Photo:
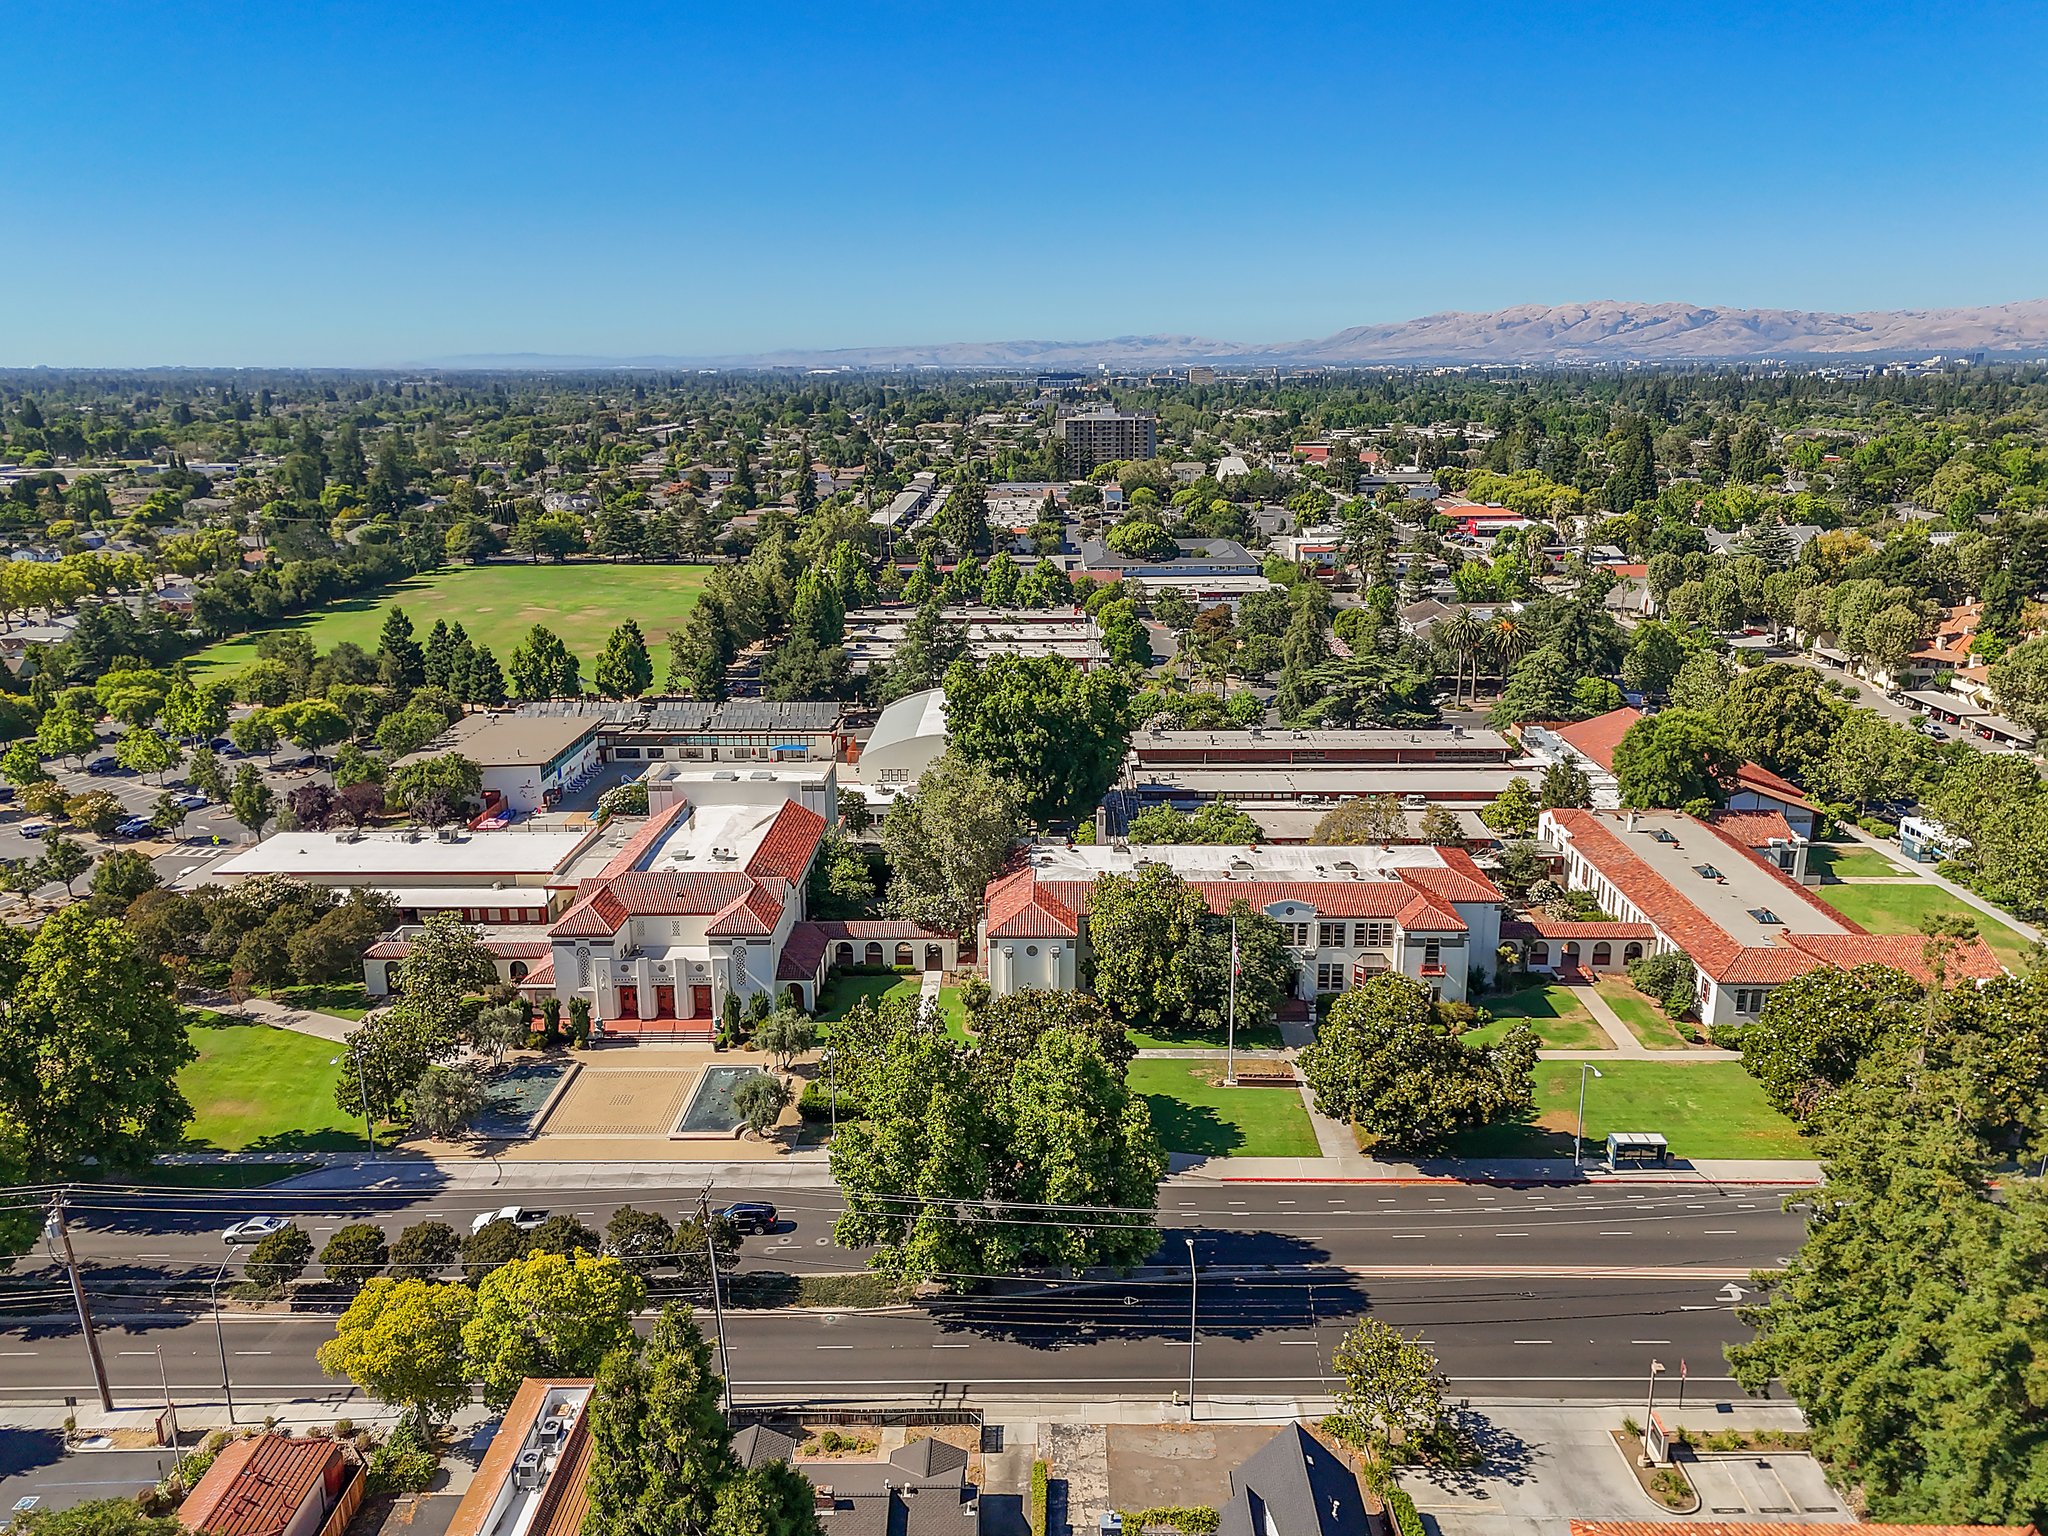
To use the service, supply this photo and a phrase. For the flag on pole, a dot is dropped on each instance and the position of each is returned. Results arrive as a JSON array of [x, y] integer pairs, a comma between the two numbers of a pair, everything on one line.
[[1236, 965]]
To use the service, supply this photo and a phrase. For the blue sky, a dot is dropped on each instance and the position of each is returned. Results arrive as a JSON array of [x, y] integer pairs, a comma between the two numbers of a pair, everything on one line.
[[229, 183]]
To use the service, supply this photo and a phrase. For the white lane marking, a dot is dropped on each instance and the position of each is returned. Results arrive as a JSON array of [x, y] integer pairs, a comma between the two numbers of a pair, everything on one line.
[[251, 1351], [1402, 1236], [835, 1346], [15, 1354], [1649, 1341], [950, 1346], [1719, 1232], [1532, 1341], [1617, 1234], [1510, 1234]]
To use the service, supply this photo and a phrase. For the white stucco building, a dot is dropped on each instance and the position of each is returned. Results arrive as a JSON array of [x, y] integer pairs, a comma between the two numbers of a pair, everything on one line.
[[1349, 912]]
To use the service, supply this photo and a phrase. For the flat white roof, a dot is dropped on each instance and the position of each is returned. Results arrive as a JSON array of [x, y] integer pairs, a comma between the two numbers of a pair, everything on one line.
[[400, 859], [715, 838], [461, 896], [1193, 861], [686, 773]]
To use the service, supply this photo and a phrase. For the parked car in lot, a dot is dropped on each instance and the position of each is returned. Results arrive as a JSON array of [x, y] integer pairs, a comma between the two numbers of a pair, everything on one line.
[[193, 801], [33, 828], [135, 826], [254, 1230], [749, 1215], [102, 765], [221, 744], [523, 1217]]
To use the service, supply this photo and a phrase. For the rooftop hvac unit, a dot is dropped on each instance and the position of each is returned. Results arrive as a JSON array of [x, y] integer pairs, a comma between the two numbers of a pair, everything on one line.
[[762, 773], [529, 1471], [726, 774], [551, 1432]]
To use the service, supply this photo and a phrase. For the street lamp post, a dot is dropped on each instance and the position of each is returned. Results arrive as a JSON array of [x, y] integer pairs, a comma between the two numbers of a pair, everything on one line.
[[362, 1087], [1579, 1136], [227, 1389], [1194, 1298]]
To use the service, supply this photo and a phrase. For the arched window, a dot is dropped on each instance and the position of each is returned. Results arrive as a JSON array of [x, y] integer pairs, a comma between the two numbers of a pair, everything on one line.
[[1631, 951], [903, 954], [1603, 953], [874, 953], [842, 954], [934, 957], [1539, 952], [517, 970]]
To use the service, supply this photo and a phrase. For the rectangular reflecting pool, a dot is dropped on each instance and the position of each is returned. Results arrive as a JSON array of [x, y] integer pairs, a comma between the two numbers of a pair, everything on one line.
[[709, 1111]]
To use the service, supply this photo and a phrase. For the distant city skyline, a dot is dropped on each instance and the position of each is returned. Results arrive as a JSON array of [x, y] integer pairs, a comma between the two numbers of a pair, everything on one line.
[[380, 184]]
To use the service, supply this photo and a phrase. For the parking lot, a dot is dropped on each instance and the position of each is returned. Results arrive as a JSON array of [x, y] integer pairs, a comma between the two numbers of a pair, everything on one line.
[[207, 835]]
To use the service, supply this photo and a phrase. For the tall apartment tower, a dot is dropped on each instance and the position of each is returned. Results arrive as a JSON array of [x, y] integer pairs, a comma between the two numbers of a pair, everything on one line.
[[1102, 437]]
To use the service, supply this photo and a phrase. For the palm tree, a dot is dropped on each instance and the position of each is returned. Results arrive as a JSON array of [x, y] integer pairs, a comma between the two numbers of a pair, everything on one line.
[[1457, 635], [1509, 641]]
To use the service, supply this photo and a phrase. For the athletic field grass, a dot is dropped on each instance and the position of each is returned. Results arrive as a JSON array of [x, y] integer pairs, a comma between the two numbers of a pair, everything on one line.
[[255, 1088], [1193, 1112], [498, 604], [1710, 1109], [1560, 1021], [1900, 908]]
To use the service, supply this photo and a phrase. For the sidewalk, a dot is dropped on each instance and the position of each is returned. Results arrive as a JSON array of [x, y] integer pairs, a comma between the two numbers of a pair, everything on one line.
[[306, 1021]]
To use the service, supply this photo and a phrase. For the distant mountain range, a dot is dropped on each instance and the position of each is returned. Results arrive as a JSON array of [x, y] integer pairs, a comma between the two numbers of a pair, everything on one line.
[[1608, 331]]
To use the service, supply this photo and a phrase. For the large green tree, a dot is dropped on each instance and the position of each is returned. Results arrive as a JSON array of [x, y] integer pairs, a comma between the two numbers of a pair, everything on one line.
[[660, 1451], [401, 1342], [1777, 715], [944, 841], [1383, 1060], [624, 669], [542, 667], [548, 1315], [1676, 760], [1055, 731], [91, 1040]]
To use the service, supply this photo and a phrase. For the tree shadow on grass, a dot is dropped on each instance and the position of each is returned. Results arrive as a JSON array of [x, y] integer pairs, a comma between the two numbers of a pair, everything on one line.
[[1194, 1128]]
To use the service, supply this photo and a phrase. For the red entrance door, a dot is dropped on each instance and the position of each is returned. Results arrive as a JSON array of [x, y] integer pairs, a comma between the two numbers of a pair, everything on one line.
[[664, 1002], [629, 1002], [700, 1002]]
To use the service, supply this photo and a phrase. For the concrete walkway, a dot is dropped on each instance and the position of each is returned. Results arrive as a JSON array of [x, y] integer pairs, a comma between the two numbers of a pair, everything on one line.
[[305, 1021], [1962, 893]]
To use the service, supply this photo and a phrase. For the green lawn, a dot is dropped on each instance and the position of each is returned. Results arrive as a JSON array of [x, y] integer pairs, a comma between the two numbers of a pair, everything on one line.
[[1851, 861], [498, 604], [1263, 1036], [842, 992], [1900, 908], [1193, 1112], [1711, 1109], [345, 1000], [1559, 1019], [255, 1088], [1645, 1020]]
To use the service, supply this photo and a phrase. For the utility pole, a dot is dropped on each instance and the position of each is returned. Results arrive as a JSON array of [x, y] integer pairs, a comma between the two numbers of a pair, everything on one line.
[[170, 1408], [227, 1390], [717, 1305], [61, 1232], [1194, 1297]]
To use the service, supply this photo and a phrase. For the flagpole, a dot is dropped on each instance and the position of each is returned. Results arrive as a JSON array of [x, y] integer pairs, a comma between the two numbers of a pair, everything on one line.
[[1230, 1037]]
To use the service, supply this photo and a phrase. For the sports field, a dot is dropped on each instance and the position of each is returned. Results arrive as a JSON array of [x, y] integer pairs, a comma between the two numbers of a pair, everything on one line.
[[498, 604]]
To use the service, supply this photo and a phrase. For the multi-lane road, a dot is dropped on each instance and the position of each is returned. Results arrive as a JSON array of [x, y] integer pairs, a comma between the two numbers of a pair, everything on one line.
[[1557, 1292]]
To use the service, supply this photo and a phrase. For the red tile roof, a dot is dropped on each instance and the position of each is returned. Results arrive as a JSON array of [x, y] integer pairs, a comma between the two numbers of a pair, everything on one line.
[[1598, 737], [1719, 953], [1753, 829], [256, 1487], [603, 906], [789, 845], [1021, 907], [756, 911], [641, 845], [802, 954]]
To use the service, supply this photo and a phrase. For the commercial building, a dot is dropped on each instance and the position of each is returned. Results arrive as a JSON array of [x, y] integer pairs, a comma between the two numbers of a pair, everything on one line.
[[708, 901], [908, 737], [275, 1485], [1349, 912], [1286, 779], [529, 761], [1097, 437], [519, 874], [1590, 745], [873, 635], [1205, 571], [1673, 882], [665, 729]]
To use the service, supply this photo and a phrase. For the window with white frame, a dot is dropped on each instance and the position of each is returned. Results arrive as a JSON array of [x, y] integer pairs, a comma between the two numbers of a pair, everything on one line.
[[1330, 976], [1372, 935], [1297, 934], [1329, 935], [1750, 999]]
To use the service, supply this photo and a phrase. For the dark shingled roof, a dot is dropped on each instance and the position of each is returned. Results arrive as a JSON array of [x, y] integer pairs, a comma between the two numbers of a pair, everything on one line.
[[1295, 1486], [757, 1445]]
